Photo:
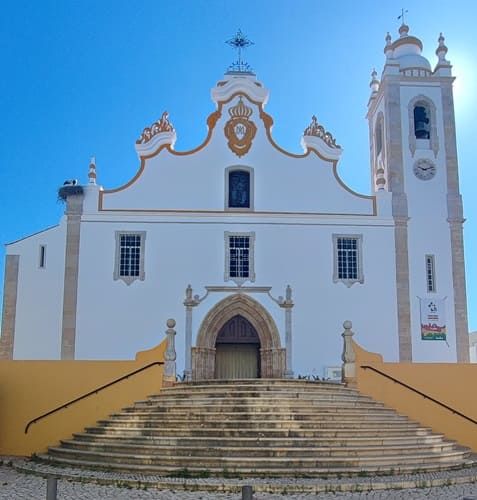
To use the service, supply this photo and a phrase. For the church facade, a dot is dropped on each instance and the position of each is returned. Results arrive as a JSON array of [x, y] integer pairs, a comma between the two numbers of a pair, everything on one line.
[[260, 254]]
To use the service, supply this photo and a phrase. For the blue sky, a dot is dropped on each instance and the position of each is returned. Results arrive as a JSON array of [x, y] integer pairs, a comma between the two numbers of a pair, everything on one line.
[[86, 76]]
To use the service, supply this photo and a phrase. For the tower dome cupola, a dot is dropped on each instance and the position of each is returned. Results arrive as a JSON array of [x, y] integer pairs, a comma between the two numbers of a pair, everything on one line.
[[407, 53]]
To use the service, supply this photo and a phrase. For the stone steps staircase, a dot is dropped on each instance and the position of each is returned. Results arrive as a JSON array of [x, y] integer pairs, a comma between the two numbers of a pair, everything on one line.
[[259, 428]]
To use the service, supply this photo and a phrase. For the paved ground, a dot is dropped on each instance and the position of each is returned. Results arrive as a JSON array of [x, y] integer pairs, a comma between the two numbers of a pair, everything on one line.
[[19, 486]]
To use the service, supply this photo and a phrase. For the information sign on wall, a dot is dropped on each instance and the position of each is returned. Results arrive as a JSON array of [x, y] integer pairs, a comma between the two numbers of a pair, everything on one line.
[[433, 319]]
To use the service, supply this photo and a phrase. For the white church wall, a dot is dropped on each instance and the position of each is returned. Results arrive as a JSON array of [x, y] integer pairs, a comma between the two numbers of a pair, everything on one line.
[[128, 318], [39, 294]]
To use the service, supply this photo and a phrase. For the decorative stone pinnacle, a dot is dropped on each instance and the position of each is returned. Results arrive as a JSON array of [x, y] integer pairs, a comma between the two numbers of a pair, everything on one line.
[[319, 131], [374, 84], [162, 125], [287, 302], [92, 170], [441, 50], [192, 301]]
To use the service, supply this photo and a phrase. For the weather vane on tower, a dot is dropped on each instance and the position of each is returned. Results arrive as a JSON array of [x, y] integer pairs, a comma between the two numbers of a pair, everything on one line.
[[402, 15], [239, 42]]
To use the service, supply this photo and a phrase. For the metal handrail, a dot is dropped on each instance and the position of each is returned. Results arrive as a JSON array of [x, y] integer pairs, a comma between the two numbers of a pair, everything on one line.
[[417, 391], [90, 393]]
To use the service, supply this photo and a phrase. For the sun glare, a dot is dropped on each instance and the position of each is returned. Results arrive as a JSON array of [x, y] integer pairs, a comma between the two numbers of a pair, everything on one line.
[[465, 96]]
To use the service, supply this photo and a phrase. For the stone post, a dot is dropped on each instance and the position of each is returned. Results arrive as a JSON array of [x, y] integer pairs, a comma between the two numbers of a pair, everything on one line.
[[287, 305], [169, 377], [74, 209], [189, 303], [10, 292], [349, 356]]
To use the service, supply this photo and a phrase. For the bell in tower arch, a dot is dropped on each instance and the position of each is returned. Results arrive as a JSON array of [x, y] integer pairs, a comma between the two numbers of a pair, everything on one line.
[[421, 123]]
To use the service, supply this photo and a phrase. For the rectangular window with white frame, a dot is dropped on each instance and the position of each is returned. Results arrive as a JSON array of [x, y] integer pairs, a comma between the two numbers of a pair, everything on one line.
[[129, 261], [348, 259], [430, 273], [239, 257]]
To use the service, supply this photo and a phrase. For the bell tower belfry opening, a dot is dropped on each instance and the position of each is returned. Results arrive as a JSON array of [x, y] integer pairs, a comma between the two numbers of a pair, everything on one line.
[[238, 339]]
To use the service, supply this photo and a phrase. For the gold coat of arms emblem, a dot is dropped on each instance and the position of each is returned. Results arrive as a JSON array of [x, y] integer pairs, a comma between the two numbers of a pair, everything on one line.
[[240, 130]]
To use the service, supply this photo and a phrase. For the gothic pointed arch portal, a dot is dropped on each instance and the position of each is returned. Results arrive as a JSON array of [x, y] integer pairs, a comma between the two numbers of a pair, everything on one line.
[[272, 355]]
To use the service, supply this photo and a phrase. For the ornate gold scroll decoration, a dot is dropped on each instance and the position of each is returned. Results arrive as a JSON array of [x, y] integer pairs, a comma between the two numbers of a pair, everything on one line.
[[240, 130], [319, 131], [163, 125]]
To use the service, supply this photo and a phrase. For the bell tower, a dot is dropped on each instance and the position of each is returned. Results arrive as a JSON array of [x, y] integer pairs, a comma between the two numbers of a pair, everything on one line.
[[414, 158]]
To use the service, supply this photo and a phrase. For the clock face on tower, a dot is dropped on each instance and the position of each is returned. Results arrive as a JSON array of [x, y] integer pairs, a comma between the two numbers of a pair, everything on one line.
[[424, 169]]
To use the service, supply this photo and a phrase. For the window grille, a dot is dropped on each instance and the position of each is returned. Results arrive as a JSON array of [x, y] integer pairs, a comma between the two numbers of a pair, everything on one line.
[[239, 262], [129, 254], [348, 259], [129, 265], [239, 248]]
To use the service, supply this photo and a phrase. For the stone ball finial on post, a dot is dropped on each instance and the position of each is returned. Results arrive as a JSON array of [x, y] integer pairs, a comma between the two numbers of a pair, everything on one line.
[[348, 370], [169, 377]]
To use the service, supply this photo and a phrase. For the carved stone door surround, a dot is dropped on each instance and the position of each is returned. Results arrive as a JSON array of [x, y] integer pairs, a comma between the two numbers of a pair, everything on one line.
[[272, 355]]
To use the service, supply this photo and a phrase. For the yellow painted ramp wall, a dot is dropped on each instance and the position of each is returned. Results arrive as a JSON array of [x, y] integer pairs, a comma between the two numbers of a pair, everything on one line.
[[450, 383], [31, 388]]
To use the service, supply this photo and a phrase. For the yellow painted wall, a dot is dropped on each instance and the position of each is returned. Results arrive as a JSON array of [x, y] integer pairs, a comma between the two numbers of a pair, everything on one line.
[[452, 384], [31, 388]]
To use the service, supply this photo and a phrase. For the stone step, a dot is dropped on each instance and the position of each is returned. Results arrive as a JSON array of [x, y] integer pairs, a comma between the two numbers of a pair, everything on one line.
[[259, 450], [233, 407], [329, 390], [275, 441], [259, 427], [243, 419], [247, 463], [256, 411], [244, 391], [270, 384], [254, 401], [261, 431], [262, 471], [271, 403]]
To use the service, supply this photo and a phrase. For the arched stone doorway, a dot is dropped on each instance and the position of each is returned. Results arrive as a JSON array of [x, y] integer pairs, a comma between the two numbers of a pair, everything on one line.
[[237, 350], [271, 360]]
